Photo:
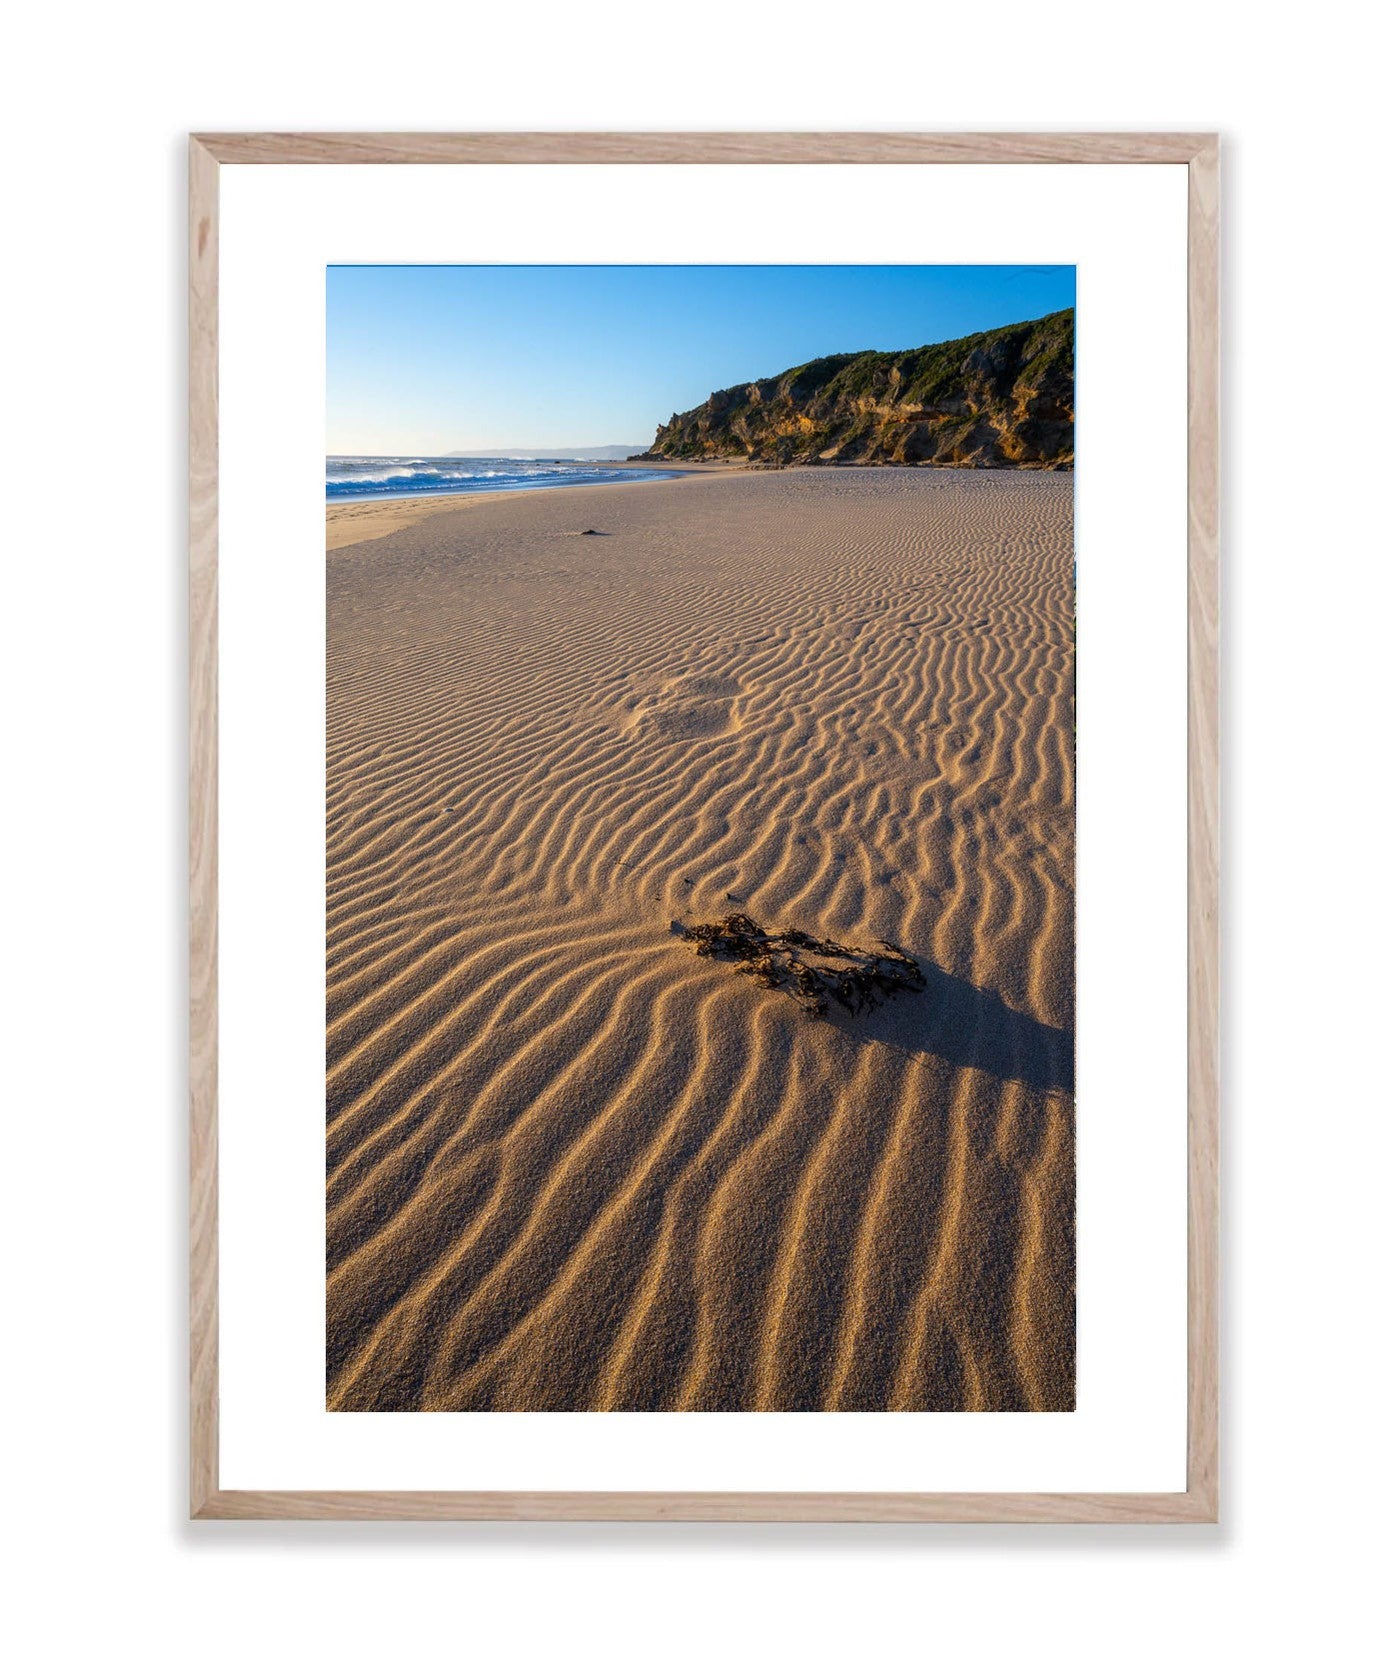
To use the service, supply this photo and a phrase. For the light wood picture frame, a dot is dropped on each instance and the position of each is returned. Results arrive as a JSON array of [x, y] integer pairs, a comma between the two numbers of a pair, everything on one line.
[[1199, 153]]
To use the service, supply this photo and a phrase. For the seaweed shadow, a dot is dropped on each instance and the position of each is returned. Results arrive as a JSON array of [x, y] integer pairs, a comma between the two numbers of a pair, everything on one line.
[[970, 1026]]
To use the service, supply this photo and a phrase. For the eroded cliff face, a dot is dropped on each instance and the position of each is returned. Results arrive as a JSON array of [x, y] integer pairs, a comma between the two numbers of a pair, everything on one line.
[[1001, 398]]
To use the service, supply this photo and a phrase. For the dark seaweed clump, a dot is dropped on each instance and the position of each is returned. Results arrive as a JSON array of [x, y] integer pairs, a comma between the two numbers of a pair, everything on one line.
[[814, 971]]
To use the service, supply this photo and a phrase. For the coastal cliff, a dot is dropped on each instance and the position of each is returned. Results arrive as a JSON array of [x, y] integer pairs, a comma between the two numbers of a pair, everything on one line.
[[999, 398]]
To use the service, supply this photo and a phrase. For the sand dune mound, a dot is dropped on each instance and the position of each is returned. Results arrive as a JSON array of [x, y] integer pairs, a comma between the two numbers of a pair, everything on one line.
[[571, 1167]]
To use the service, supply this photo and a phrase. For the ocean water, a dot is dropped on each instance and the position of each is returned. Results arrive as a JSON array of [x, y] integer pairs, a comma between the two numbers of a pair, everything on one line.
[[382, 477]]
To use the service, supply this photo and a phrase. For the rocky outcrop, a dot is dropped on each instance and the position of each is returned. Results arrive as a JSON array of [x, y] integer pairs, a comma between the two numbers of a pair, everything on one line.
[[1001, 398]]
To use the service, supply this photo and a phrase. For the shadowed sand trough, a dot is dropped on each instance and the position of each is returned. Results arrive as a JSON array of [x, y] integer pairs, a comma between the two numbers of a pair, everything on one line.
[[572, 1166]]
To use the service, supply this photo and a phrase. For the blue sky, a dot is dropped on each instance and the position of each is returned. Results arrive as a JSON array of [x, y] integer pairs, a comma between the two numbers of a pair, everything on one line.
[[431, 360]]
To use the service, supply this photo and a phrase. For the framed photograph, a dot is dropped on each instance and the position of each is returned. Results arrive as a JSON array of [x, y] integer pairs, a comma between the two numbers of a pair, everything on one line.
[[703, 826]]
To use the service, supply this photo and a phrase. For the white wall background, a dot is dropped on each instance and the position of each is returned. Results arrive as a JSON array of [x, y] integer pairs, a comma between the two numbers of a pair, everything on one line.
[[97, 102]]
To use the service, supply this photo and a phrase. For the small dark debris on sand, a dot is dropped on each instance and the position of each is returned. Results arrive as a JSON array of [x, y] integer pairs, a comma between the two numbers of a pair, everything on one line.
[[591, 532], [812, 970]]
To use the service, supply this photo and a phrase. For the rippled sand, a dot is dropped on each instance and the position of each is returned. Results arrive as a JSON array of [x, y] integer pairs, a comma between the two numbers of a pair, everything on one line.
[[573, 1166]]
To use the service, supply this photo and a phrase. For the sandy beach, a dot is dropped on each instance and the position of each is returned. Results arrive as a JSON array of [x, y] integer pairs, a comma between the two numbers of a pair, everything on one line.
[[571, 1164]]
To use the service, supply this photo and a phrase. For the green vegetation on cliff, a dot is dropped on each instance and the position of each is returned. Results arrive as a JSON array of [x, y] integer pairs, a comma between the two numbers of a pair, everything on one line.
[[1000, 398]]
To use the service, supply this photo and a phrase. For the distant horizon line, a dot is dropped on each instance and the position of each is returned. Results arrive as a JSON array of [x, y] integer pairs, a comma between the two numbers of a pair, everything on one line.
[[516, 451]]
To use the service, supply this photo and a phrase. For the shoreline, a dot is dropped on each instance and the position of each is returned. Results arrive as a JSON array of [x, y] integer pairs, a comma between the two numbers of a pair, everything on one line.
[[350, 520]]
